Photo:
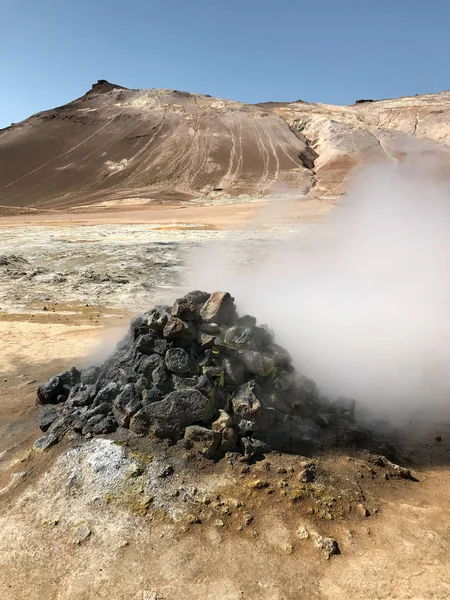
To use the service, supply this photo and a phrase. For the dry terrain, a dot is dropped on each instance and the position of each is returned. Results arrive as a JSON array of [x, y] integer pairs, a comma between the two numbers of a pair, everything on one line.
[[73, 526], [120, 149], [102, 200]]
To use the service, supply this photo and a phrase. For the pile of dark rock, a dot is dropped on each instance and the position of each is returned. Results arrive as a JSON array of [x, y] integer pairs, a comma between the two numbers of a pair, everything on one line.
[[198, 375]]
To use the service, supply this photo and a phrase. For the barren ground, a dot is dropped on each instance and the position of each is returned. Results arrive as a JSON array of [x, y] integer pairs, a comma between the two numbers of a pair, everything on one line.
[[199, 542]]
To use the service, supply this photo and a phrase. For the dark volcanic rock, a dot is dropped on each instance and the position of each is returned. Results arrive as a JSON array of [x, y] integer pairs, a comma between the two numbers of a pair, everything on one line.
[[169, 417], [58, 387], [157, 318], [177, 360], [198, 374], [46, 416]]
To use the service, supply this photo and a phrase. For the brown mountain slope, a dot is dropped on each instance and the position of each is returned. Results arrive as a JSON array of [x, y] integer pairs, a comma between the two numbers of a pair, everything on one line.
[[117, 143], [113, 144]]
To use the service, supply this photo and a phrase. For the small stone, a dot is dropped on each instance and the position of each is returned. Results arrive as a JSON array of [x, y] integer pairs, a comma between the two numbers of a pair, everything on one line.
[[45, 442], [327, 545], [363, 510], [248, 518], [438, 438], [82, 533], [219, 523], [308, 475], [259, 484], [303, 533], [224, 420]]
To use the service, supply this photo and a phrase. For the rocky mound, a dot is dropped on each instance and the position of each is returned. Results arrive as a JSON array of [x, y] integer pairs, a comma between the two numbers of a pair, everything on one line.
[[197, 374]]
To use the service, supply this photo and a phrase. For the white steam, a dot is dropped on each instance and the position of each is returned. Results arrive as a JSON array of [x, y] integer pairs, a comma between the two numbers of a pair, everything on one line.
[[361, 299]]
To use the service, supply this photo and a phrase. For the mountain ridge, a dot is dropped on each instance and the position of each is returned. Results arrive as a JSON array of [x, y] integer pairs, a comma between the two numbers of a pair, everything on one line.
[[161, 145]]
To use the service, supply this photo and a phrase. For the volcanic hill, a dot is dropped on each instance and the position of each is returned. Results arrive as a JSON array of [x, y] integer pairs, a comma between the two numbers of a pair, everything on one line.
[[118, 145]]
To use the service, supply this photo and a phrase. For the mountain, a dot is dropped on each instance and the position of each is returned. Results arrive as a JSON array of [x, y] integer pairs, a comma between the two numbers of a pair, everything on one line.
[[115, 144]]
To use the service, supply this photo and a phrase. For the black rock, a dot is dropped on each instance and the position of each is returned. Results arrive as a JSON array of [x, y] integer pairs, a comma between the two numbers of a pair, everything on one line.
[[183, 383], [246, 321], [177, 367], [170, 417], [90, 375], [210, 328], [257, 363], [145, 344], [139, 326], [148, 364], [177, 360], [235, 371], [47, 415], [82, 395], [151, 394], [251, 338], [157, 318], [107, 393], [253, 448], [125, 405], [45, 442], [56, 386]]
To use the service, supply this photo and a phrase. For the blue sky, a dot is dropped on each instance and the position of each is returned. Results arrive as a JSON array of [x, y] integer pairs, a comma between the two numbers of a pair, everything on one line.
[[251, 50]]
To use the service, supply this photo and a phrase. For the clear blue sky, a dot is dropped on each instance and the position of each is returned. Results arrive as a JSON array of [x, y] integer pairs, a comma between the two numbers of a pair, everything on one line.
[[251, 50]]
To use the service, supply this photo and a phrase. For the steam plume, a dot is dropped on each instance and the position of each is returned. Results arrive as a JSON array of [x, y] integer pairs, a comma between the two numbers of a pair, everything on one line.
[[362, 298]]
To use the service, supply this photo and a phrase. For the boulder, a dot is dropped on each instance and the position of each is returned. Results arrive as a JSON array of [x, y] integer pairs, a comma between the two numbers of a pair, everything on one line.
[[47, 414], [151, 394], [251, 338], [57, 388], [90, 376], [45, 442], [107, 393], [235, 371], [145, 344], [223, 421], [177, 361], [246, 408], [257, 363], [157, 318], [219, 308], [178, 330], [228, 440], [202, 439], [179, 409], [210, 328], [188, 308], [125, 405], [253, 448]]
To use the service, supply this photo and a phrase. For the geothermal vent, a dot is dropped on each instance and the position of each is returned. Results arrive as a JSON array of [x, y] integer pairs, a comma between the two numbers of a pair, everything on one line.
[[199, 375]]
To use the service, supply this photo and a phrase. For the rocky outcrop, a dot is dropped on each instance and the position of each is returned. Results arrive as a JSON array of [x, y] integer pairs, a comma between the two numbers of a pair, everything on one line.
[[213, 381]]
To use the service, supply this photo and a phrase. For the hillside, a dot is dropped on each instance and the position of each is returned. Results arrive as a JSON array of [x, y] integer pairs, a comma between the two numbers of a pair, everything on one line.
[[117, 145]]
